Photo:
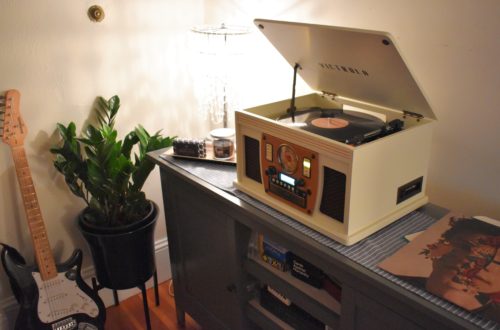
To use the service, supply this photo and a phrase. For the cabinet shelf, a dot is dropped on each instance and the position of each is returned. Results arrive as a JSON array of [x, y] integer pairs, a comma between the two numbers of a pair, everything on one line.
[[210, 230], [315, 301], [263, 318]]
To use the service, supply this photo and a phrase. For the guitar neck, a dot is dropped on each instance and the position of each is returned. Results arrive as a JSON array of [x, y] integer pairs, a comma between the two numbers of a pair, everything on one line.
[[43, 252]]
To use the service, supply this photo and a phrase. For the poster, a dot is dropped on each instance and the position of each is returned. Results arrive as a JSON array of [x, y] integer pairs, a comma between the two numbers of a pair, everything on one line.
[[458, 259]]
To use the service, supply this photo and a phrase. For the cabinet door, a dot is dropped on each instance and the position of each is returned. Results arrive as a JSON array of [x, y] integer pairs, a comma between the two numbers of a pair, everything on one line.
[[361, 312], [202, 247]]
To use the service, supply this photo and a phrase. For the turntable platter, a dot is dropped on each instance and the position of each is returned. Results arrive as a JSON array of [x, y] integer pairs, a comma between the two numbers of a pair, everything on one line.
[[337, 124]]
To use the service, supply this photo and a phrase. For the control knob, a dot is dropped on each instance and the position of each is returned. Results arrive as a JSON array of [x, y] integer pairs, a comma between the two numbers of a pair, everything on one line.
[[271, 170]]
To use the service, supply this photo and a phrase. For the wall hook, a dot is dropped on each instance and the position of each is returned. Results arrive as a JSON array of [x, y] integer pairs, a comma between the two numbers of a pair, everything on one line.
[[96, 13]]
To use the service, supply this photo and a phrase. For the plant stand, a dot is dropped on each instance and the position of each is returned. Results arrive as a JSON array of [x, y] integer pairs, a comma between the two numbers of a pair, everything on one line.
[[96, 286], [125, 258]]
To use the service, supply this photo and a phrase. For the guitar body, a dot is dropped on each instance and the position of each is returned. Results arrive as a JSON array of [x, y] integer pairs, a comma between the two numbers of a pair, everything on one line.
[[64, 302], [51, 297]]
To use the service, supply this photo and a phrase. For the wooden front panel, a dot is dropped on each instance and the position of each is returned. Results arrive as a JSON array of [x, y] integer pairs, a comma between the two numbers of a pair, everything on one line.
[[289, 172]]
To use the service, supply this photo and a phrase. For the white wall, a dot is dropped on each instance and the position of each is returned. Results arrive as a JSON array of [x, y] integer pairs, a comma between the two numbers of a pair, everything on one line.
[[452, 48], [60, 61]]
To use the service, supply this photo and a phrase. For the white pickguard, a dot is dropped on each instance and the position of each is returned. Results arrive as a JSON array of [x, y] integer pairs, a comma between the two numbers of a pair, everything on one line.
[[60, 297]]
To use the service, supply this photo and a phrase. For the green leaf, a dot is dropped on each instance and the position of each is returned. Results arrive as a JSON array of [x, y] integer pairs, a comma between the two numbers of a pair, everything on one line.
[[113, 106], [105, 171], [128, 143]]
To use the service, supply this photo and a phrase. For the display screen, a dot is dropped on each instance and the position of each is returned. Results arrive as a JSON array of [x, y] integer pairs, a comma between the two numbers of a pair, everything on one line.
[[287, 179]]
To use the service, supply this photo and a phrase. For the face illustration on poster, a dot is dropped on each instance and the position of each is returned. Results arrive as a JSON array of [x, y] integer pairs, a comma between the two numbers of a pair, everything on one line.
[[466, 266]]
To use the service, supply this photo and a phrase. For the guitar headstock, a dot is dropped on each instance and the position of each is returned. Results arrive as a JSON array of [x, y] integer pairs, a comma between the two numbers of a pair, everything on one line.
[[12, 127]]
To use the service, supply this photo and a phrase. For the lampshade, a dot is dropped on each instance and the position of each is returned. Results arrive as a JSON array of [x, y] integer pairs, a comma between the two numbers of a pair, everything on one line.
[[218, 62]]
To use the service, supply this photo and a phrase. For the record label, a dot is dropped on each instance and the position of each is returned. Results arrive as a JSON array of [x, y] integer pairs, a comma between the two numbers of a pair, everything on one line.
[[336, 124], [329, 123]]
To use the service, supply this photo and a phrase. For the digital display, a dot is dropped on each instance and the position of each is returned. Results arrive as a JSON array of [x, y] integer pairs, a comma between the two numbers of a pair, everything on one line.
[[287, 179]]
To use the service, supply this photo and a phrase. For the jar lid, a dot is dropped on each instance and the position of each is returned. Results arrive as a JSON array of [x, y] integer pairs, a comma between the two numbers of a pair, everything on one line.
[[222, 133]]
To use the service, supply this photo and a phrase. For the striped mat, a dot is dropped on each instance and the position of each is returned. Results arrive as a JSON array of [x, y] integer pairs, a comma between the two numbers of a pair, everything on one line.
[[369, 252]]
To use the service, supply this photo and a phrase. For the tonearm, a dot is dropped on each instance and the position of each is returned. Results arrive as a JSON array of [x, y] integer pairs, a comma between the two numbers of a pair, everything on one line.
[[292, 108]]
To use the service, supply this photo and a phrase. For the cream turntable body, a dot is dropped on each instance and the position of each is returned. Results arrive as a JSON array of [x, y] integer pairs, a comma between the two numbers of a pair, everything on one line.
[[343, 173]]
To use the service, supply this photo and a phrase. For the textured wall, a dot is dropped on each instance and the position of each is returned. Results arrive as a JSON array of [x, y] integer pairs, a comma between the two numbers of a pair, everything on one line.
[[60, 61]]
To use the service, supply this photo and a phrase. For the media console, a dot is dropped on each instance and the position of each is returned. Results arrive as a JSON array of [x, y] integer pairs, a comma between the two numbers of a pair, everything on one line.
[[218, 280]]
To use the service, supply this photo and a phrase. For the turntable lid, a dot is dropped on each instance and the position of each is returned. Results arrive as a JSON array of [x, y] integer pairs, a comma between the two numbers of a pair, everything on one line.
[[357, 64]]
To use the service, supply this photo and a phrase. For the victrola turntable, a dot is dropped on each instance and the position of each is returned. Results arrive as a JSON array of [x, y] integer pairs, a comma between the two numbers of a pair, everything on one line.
[[351, 158]]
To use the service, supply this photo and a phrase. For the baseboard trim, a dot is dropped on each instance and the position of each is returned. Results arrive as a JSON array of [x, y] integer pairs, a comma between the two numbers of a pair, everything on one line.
[[9, 306]]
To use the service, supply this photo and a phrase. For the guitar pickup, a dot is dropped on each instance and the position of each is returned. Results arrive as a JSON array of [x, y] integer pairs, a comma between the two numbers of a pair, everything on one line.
[[66, 324]]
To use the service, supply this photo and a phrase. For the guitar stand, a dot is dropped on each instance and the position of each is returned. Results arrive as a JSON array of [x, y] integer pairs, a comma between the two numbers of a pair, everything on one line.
[[96, 287]]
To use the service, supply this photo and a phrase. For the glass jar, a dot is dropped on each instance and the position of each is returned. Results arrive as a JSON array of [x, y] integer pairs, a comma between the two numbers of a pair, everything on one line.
[[223, 143]]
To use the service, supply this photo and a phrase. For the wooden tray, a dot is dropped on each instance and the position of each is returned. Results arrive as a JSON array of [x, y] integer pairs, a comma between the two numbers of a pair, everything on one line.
[[208, 158]]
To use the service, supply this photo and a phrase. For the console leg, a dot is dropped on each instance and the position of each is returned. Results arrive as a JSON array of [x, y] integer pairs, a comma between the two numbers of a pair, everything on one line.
[[181, 317]]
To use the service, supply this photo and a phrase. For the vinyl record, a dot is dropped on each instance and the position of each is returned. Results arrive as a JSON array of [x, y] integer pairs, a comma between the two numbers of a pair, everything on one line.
[[335, 124]]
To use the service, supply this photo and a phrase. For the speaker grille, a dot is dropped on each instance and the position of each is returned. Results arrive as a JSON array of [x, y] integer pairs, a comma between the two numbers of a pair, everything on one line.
[[252, 159], [333, 197]]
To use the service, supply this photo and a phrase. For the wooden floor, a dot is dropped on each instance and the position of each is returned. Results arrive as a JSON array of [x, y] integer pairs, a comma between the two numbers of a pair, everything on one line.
[[129, 314]]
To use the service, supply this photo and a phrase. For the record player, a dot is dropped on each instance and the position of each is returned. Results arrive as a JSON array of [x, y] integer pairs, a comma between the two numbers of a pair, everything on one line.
[[350, 158]]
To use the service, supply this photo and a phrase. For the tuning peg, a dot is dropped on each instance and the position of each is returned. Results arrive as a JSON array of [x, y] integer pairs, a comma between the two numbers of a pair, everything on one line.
[[2, 112]]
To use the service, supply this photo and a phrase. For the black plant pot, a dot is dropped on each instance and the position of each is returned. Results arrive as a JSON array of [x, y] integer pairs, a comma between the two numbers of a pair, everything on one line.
[[125, 257]]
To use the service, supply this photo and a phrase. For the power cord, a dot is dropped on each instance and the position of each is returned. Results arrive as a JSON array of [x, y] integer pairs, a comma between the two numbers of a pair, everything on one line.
[[171, 288]]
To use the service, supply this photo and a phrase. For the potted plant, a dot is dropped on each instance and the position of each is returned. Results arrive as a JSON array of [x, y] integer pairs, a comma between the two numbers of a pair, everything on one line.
[[108, 174]]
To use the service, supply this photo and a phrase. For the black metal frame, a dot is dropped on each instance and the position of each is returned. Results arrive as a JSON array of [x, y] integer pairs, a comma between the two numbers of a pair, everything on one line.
[[96, 287]]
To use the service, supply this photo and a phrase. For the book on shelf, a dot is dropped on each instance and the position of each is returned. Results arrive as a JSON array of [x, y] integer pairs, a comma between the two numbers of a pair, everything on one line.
[[291, 313], [333, 288], [273, 253], [305, 271]]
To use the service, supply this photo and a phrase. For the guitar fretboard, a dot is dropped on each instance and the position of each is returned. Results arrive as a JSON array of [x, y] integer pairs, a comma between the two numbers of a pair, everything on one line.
[[43, 252]]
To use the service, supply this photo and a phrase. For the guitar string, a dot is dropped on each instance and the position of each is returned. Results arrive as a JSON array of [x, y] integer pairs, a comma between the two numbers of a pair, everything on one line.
[[4, 103], [47, 288], [47, 285], [47, 296]]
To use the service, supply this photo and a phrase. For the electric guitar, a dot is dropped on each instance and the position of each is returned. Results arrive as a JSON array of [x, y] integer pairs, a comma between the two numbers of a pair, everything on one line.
[[51, 297]]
